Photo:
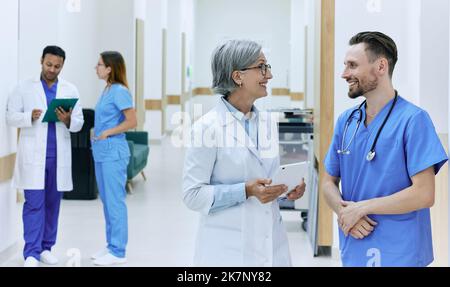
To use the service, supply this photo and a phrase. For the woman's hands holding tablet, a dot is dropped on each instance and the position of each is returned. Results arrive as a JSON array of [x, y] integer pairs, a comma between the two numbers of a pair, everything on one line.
[[261, 189]]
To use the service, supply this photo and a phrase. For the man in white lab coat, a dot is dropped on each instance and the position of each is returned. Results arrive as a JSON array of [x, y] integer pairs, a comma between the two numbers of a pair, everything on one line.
[[44, 160]]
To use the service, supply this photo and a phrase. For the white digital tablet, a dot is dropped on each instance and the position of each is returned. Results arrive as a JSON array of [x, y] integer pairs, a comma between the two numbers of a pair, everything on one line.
[[291, 175]]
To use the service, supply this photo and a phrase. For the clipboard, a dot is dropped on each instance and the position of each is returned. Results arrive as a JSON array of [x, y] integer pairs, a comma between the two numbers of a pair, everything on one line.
[[291, 175], [66, 104]]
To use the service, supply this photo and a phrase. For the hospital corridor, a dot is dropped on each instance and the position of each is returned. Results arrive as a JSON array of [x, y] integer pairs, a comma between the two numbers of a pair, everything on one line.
[[224, 133], [155, 211]]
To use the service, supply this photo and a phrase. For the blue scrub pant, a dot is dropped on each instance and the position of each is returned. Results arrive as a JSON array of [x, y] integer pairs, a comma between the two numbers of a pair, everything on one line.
[[111, 180], [40, 214]]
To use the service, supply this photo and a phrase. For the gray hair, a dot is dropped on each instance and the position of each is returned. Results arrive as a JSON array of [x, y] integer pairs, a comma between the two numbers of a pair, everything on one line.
[[234, 55]]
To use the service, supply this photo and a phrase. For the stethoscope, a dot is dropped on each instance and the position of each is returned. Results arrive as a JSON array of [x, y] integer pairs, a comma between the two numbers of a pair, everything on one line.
[[344, 150]]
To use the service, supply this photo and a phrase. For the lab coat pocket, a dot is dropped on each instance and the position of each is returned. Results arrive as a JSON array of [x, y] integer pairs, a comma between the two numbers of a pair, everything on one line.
[[27, 144], [66, 134], [27, 132], [28, 149]]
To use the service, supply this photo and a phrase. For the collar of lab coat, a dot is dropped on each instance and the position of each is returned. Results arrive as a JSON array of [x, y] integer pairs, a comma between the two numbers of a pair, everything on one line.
[[37, 79], [61, 82], [238, 114], [40, 89], [222, 111]]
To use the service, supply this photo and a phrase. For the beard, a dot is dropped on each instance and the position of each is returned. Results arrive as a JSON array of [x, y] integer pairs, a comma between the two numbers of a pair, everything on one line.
[[363, 88], [49, 76]]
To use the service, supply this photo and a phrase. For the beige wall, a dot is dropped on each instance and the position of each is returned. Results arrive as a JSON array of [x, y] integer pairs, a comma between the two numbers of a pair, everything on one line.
[[439, 214]]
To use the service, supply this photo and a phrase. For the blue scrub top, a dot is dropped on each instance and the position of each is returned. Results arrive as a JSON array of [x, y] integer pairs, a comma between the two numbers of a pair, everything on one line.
[[109, 114], [50, 94], [408, 145]]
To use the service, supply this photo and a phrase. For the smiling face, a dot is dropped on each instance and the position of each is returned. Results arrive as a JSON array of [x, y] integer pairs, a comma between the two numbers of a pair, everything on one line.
[[51, 67], [359, 72], [253, 80]]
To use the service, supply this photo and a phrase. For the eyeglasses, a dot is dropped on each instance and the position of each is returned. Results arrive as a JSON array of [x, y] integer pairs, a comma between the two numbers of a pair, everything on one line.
[[263, 67]]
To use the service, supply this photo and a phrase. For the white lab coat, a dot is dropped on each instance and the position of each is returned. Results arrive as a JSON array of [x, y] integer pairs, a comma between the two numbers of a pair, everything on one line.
[[29, 173], [250, 234]]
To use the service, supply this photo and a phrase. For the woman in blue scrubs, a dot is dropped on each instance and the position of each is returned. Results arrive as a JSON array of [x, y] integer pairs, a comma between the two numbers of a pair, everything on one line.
[[114, 115], [386, 154]]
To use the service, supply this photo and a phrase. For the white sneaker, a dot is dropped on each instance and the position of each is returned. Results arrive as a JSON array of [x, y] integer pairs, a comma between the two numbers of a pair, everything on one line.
[[31, 262], [109, 259], [100, 253], [48, 258]]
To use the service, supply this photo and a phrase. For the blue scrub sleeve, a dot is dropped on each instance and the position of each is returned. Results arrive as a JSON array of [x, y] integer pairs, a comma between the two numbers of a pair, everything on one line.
[[226, 196], [332, 164], [123, 99], [422, 145]]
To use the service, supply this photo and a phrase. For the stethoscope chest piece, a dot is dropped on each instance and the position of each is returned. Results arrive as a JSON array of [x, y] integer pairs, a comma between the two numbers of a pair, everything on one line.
[[370, 155]]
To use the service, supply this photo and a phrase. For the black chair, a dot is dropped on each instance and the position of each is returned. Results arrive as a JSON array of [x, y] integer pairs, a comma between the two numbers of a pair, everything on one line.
[[83, 168]]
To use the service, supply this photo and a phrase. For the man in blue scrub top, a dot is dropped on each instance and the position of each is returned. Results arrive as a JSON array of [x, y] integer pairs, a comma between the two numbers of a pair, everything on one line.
[[385, 153]]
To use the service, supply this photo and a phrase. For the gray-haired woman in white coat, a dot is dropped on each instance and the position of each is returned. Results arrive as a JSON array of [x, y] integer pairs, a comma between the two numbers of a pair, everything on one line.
[[229, 165]]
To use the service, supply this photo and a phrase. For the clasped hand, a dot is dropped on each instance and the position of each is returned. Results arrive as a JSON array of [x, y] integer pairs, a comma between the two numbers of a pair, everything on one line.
[[353, 220]]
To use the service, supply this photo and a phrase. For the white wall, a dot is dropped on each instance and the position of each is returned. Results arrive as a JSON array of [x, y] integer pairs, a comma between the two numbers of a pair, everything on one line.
[[174, 56], [435, 51], [297, 45], [174, 15], [100, 25], [154, 23], [117, 33], [188, 11], [363, 18], [140, 9], [180, 19], [313, 22], [252, 19], [8, 78], [153, 50], [38, 28], [78, 35]]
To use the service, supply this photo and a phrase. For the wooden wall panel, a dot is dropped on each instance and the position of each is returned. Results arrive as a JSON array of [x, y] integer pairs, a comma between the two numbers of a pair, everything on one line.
[[324, 114], [439, 214], [174, 100], [201, 91], [7, 167], [153, 105]]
